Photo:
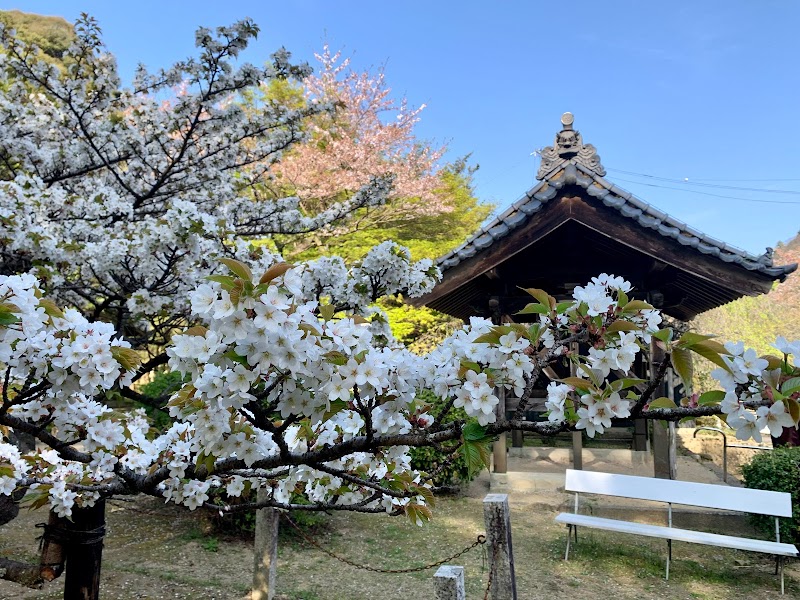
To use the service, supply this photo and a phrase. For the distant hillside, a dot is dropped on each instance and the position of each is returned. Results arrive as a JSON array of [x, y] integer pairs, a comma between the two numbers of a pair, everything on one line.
[[756, 320], [787, 294], [53, 35]]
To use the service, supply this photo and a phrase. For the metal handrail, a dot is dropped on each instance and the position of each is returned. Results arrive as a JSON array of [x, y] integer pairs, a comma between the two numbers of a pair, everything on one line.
[[725, 446]]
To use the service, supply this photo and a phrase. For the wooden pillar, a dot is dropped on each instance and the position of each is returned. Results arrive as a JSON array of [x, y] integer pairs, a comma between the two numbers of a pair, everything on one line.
[[517, 439], [664, 447], [499, 447], [448, 583], [640, 435], [85, 535], [577, 436], [497, 518], [266, 550]]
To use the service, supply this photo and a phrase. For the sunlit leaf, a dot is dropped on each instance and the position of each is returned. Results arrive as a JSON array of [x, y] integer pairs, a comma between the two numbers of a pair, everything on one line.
[[238, 268], [275, 271], [662, 403], [712, 397], [682, 363]]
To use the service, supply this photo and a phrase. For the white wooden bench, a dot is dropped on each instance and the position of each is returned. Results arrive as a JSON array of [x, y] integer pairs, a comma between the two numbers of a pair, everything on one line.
[[776, 504]]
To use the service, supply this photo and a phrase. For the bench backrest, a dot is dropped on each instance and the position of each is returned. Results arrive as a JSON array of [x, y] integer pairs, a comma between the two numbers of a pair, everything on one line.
[[762, 502]]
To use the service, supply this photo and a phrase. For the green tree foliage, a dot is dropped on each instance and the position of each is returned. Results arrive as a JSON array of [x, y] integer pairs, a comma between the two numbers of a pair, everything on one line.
[[427, 236], [53, 35]]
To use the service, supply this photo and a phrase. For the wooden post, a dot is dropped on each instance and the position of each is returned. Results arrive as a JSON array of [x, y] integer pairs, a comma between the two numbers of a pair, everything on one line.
[[517, 438], [664, 447], [85, 535], [640, 435], [497, 518], [266, 550], [577, 436], [448, 583], [499, 447]]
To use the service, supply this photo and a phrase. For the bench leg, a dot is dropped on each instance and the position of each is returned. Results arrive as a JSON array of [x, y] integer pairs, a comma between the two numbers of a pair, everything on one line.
[[669, 556], [569, 539], [780, 562]]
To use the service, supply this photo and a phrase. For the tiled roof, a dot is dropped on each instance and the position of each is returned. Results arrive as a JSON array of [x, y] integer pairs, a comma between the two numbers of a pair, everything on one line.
[[573, 171]]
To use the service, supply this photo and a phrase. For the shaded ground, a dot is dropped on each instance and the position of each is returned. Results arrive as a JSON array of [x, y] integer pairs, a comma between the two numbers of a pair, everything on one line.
[[157, 551]]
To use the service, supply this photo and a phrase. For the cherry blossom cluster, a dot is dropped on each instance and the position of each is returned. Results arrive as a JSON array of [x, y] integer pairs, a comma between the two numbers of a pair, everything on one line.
[[55, 363], [267, 347], [748, 380]]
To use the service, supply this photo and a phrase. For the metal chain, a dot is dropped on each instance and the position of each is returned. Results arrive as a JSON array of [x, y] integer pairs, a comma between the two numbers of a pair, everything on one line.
[[492, 566], [480, 541]]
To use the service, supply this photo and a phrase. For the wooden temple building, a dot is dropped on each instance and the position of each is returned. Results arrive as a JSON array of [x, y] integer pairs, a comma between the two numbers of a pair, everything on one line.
[[575, 224]]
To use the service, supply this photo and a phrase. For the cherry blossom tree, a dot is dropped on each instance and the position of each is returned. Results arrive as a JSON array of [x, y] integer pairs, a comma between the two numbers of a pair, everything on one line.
[[368, 134], [126, 219]]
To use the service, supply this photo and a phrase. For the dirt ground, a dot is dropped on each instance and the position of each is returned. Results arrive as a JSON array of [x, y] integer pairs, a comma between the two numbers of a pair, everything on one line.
[[157, 551]]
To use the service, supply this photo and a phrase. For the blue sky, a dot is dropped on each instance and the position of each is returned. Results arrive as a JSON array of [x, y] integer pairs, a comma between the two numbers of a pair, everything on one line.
[[701, 90]]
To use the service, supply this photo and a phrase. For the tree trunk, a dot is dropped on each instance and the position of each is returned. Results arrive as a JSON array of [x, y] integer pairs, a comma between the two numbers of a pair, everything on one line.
[[84, 552], [789, 437]]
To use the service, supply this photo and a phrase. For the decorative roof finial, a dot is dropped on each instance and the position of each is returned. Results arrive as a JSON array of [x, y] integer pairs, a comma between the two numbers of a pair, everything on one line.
[[569, 146]]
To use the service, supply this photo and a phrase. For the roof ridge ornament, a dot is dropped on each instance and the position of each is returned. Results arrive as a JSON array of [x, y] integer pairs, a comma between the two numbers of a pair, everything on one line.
[[569, 146]]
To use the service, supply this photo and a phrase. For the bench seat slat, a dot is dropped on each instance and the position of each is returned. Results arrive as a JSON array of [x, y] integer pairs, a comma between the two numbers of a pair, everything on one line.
[[682, 535], [763, 502]]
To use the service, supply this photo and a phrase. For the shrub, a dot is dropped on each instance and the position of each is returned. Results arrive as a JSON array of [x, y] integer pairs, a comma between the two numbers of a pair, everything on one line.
[[445, 472], [779, 471]]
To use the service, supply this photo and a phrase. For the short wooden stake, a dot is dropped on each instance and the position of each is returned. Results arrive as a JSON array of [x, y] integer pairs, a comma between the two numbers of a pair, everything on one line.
[[448, 583], [497, 518], [266, 550]]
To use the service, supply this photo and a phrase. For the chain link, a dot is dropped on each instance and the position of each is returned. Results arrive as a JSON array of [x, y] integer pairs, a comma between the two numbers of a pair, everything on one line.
[[492, 566], [478, 542]]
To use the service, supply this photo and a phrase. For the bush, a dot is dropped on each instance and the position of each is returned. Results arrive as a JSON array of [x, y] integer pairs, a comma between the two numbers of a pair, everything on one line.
[[779, 471], [430, 460]]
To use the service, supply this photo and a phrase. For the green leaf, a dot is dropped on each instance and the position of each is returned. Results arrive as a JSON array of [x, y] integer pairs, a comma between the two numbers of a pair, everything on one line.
[[621, 326], [473, 431], [238, 268], [7, 318], [426, 493], [493, 337], [335, 357], [226, 281], [622, 298], [468, 365], [790, 386], [476, 456], [665, 335], [534, 308], [709, 353], [418, 514], [326, 311], [231, 354], [562, 307], [635, 306], [128, 358], [712, 397], [682, 363], [622, 384], [794, 408], [577, 383], [51, 308], [662, 403], [690, 338], [595, 379], [543, 297]]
